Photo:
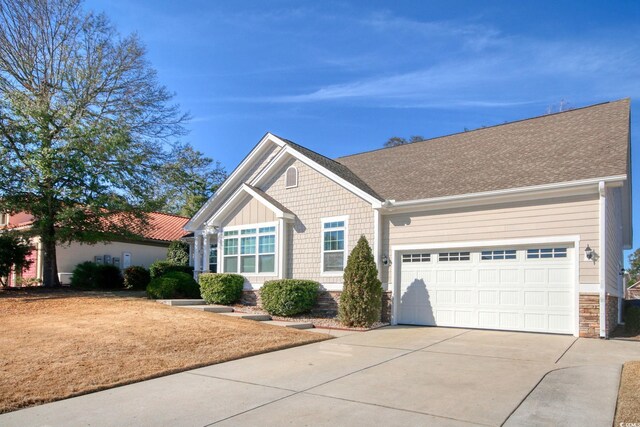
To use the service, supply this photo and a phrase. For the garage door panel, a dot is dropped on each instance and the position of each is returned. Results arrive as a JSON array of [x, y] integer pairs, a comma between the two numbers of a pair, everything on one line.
[[490, 291]]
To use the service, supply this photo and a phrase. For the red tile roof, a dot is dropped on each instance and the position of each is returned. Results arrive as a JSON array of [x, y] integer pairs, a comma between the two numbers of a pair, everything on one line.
[[162, 226]]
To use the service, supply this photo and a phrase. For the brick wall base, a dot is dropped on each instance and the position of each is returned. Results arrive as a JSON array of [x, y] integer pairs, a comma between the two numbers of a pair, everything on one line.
[[589, 312], [327, 304], [611, 313]]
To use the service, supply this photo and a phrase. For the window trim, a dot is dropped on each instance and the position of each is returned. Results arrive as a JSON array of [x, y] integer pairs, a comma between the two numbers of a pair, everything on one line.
[[564, 251], [459, 253], [4, 219], [257, 235], [323, 221], [286, 173]]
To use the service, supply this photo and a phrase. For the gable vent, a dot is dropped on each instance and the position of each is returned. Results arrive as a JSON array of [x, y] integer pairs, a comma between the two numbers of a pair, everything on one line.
[[291, 177]]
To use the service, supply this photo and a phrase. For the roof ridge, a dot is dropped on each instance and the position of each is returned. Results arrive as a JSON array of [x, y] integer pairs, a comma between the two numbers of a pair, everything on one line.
[[542, 116], [169, 214]]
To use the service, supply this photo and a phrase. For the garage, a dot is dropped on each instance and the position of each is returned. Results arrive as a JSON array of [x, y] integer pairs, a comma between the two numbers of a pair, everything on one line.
[[526, 288]]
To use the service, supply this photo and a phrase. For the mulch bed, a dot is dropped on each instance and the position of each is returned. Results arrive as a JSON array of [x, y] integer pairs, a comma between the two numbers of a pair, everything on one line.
[[318, 321]]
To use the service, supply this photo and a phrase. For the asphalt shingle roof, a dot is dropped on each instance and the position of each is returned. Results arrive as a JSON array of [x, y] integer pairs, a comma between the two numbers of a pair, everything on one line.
[[589, 142]]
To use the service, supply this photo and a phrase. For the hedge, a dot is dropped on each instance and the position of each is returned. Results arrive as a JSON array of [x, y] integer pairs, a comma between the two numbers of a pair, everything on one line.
[[160, 268], [221, 288], [174, 284], [89, 275], [136, 277], [287, 297]]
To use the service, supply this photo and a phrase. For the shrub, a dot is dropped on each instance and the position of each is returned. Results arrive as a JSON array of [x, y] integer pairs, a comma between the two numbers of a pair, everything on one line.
[[89, 275], [287, 297], [632, 319], [174, 284], [361, 298], [136, 277], [160, 268], [178, 253], [221, 288], [85, 276]]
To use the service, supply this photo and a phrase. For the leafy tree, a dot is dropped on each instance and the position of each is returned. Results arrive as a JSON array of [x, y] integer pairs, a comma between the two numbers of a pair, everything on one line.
[[178, 253], [394, 141], [361, 298], [187, 180], [14, 253], [634, 267], [84, 124]]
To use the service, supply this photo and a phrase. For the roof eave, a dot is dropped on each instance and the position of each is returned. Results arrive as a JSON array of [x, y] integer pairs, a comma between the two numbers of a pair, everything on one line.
[[559, 189]]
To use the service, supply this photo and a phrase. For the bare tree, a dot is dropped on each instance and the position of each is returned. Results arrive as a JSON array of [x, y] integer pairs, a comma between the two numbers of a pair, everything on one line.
[[394, 141], [84, 124]]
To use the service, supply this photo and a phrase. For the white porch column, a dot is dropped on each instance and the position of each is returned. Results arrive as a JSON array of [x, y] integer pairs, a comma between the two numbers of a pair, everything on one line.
[[282, 248], [191, 252], [206, 247], [197, 259]]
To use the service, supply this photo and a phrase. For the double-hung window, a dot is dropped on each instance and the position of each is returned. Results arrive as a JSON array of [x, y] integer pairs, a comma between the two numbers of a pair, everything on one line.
[[333, 244], [250, 250]]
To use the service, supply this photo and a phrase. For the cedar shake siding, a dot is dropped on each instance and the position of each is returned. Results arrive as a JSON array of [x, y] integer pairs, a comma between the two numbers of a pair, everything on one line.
[[314, 198]]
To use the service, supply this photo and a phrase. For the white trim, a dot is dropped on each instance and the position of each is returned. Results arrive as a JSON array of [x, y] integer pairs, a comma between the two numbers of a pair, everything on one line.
[[286, 175], [589, 288], [396, 251], [318, 168], [603, 258], [257, 234], [255, 152], [280, 249], [344, 218], [219, 216], [197, 257], [558, 189], [377, 241]]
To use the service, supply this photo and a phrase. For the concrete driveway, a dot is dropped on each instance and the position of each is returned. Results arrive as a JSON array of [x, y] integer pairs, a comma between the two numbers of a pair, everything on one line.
[[390, 376]]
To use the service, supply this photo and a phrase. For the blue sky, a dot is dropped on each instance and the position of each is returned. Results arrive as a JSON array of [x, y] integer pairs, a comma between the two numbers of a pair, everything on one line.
[[343, 77]]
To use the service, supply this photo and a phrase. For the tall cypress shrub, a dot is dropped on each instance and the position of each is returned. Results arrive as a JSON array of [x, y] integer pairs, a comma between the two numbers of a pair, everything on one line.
[[361, 299]]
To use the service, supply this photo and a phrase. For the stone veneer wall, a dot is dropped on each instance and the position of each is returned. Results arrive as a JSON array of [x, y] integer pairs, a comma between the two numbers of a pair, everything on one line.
[[589, 312], [327, 304], [611, 313]]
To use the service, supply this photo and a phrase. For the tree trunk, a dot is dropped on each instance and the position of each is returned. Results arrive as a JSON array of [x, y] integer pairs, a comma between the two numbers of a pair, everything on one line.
[[49, 259]]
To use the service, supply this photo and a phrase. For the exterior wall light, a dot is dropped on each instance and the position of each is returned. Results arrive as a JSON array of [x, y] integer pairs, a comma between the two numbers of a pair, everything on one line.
[[589, 253], [385, 259]]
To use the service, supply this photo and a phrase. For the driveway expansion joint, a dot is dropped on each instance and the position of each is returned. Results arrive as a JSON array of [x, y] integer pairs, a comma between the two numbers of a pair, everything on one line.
[[567, 350], [239, 381]]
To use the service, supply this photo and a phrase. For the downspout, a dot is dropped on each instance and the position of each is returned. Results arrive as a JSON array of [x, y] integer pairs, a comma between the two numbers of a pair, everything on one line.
[[603, 258], [377, 241]]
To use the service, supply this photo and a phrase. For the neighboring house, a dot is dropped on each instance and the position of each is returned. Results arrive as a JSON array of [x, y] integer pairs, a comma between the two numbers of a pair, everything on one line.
[[519, 226], [633, 291], [163, 229]]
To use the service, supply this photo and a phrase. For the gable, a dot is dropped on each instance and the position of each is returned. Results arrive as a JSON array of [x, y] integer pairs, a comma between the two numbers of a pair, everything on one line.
[[249, 211]]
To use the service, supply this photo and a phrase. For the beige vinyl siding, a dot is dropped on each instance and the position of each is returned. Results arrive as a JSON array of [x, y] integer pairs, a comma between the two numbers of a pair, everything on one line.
[[314, 198], [250, 211], [141, 254], [575, 216], [613, 235]]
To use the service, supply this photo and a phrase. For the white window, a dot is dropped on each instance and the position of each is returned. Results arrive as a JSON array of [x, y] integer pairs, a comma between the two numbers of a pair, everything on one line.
[[4, 219], [250, 250], [498, 254], [334, 234], [416, 257], [546, 253], [454, 256], [291, 177]]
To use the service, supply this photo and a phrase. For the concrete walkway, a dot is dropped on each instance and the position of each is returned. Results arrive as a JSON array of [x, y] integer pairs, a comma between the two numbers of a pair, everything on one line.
[[390, 376]]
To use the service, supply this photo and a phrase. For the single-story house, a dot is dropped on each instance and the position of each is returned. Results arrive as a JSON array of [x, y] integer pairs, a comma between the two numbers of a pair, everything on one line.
[[163, 229], [519, 226]]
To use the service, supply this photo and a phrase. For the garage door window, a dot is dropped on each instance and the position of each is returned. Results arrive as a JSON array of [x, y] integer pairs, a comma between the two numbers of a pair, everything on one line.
[[454, 256], [416, 257], [546, 253], [498, 254]]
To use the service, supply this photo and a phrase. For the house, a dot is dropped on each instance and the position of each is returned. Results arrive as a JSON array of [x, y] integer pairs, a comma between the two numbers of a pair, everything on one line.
[[163, 229], [519, 226], [633, 291]]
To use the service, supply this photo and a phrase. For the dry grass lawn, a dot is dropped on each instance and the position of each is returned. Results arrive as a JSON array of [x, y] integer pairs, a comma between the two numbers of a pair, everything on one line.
[[62, 344], [628, 410]]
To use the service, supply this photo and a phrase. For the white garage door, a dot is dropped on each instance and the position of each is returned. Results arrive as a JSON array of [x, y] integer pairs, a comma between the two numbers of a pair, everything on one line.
[[520, 288]]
